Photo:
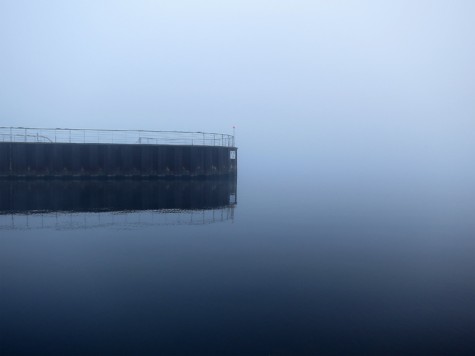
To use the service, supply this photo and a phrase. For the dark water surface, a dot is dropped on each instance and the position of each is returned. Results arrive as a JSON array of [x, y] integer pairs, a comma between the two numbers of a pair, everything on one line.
[[297, 266]]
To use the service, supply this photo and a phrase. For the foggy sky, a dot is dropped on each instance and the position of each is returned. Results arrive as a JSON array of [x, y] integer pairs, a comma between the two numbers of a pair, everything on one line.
[[355, 82]]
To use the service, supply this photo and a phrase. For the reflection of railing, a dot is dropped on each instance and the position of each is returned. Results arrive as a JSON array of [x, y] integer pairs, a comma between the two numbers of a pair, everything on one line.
[[119, 220], [137, 137]]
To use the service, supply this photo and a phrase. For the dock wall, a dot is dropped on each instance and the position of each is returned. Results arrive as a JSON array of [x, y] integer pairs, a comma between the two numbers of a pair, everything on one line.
[[94, 160]]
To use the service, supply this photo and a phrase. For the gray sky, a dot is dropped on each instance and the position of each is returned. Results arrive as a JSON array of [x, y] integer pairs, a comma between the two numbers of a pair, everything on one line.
[[339, 80]]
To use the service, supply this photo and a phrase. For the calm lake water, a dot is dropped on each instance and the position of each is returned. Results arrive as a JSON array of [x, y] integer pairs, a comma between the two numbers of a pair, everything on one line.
[[268, 266]]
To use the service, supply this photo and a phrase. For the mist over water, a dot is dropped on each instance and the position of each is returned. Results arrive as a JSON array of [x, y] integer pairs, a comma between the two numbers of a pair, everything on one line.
[[350, 229]]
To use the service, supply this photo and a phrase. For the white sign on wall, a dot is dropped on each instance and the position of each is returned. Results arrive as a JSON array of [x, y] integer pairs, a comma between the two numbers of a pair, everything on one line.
[[232, 154]]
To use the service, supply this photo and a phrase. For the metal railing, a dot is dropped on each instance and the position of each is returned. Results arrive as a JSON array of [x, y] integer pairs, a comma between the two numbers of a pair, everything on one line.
[[137, 137]]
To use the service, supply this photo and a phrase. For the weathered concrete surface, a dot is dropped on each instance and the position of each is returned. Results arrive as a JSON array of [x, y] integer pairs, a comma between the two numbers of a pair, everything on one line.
[[72, 160]]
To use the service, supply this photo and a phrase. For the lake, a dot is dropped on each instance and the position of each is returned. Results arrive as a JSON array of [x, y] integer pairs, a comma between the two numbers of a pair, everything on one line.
[[270, 265]]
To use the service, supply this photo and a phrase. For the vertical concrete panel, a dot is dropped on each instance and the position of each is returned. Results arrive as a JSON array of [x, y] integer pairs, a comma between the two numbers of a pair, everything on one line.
[[91, 153], [157, 160], [186, 160], [57, 160], [227, 160], [48, 150], [150, 171], [49, 159], [29, 158], [166, 160], [127, 160], [75, 159], [160, 159], [214, 160], [197, 161], [201, 160], [137, 159], [220, 161], [19, 163], [178, 160], [111, 160], [107, 160], [5, 158], [67, 166], [116, 160], [154, 161], [208, 160], [39, 162], [145, 160], [102, 159], [14, 159], [170, 159]]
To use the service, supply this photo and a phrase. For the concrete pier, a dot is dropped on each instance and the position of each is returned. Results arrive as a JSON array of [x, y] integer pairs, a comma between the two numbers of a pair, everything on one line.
[[40, 156]]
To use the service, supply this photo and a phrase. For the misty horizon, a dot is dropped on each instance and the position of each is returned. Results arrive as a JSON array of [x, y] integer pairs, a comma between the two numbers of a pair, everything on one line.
[[354, 123]]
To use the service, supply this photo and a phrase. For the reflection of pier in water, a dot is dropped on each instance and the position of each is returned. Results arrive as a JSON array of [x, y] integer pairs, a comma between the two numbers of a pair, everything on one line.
[[90, 204]]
